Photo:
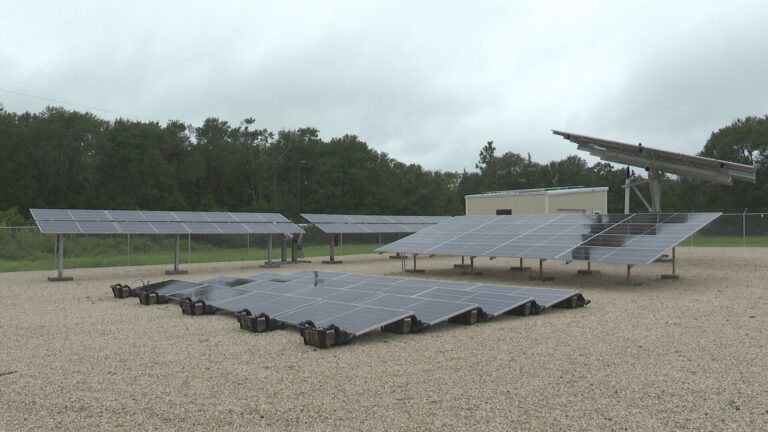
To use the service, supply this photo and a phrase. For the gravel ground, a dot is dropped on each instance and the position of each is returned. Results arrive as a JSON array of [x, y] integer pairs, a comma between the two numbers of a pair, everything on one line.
[[689, 354]]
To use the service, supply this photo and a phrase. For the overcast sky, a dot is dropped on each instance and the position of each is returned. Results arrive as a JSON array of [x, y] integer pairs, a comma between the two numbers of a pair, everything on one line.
[[425, 82]]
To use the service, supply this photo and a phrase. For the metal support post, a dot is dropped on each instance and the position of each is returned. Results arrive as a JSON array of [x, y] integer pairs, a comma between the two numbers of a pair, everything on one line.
[[176, 269], [628, 280], [59, 255], [471, 271], [540, 276], [269, 263], [462, 265], [520, 267], [414, 270], [588, 271], [284, 250], [294, 239], [332, 253], [674, 275]]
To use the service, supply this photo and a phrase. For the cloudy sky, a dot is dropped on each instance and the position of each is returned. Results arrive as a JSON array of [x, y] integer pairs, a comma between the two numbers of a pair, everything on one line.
[[425, 81]]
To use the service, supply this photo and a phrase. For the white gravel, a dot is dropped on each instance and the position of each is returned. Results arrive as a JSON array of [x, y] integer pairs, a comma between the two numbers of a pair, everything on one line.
[[668, 355]]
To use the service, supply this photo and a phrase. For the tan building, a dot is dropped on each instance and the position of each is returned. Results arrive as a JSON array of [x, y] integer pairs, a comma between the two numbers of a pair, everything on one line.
[[539, 201]]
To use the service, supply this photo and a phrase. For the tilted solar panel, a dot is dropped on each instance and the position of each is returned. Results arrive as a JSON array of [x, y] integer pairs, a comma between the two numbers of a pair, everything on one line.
[[611, 238]]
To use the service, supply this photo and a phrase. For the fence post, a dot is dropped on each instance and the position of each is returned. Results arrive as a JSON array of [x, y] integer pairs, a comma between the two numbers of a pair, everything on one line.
[[744, 228]]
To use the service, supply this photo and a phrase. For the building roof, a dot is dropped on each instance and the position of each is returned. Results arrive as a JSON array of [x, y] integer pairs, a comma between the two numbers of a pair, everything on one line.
[[540, 191]]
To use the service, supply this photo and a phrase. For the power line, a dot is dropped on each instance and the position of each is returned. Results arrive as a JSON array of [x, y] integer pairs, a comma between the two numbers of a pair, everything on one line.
[[88, 107]]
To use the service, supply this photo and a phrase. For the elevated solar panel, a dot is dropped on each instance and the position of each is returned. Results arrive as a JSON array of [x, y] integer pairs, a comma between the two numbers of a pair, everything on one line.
[[126, 216], [161, 222], [611, 238]]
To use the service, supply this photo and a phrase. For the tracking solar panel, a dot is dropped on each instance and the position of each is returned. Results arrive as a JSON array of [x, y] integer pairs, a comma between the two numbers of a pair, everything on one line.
[[624, 239], [126, 215], [98, 227], [58, 227], [136, 228]]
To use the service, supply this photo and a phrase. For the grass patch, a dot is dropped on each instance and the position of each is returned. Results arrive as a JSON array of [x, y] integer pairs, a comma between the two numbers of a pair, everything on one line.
[[157, 258]]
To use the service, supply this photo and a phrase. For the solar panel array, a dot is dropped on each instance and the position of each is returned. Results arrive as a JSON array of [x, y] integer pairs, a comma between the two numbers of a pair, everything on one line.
[[359, 303], [610, 238], [370, 224], [64, 221]]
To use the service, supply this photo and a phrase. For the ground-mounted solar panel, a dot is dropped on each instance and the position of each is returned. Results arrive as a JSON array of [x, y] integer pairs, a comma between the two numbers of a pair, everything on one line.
[[224, 217], [51, 214], [202, 228], [170, 227], [159, 216], [169, 286], [98, 227], [136, 228], [210, 294], [248, 217], [126, 216], [274, 217], [227, 281], [268, 303], [232, 228], [354, 319], [191, 216], [627, 239], [90, 215], [58, 227]]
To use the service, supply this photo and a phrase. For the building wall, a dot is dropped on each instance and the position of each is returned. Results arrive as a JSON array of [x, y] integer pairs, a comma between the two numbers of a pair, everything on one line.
[[586, 202], [519, 204]]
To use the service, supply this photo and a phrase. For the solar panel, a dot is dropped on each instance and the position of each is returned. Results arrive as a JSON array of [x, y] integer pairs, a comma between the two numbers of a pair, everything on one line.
[[227, 281], [90, 215], [135, 227], [232, 228], [248, 217], [126, 215], [220, 217], [624, 239], [191, 216], [58, 227], [98, 227], [169, 227], [51, 214], [358, 320], [271, 304], [202, 228], [368, 224], [159, 216], [211, 294], [169, 286]]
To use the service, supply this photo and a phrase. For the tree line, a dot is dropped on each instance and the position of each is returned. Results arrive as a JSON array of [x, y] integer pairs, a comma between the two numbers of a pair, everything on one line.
[[61, 158]]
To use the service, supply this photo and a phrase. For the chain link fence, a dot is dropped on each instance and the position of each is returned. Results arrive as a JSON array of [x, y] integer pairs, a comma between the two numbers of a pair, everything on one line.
[[25, 248]]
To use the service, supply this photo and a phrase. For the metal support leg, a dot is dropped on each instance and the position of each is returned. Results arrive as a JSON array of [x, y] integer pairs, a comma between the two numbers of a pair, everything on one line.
[[414, 270], [540, 276], [176, 270], [628, 281], [295, 252], [588, 271], [59, 255], [674, 275], [269, 263], [332, 253], [284, 250], [471, 271], [462, 265], [520, 267]]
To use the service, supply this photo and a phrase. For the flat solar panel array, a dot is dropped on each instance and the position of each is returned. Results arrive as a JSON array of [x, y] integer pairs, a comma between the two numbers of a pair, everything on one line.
[[610, 238], [370, 224], [359, 303], [63, 221]]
